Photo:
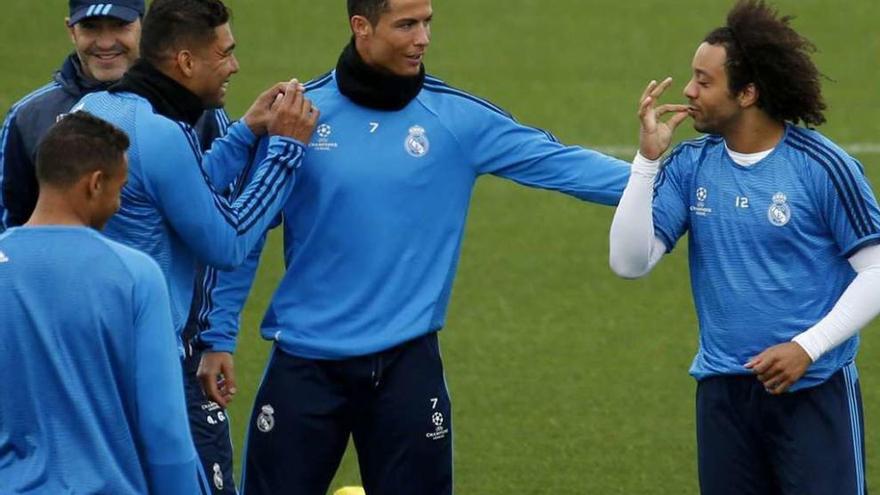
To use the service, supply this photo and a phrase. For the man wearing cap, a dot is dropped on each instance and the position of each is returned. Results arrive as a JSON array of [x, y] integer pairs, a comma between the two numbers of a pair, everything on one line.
[[106, 36]]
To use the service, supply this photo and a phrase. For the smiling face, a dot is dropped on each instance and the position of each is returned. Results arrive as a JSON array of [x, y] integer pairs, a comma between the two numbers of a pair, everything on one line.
[[398, 41], [212, 66], [713, 107], [106, 46]]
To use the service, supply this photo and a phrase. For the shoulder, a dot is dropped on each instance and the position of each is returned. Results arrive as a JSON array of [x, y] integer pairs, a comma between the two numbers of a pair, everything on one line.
[[689, 153], [323, 88], [437, 94], [138, 265], [46, 102], [814, 149]]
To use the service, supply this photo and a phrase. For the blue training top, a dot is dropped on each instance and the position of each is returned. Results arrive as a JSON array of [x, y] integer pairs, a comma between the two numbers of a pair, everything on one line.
[[768, 243], [374, 226], [92, 400], [172, 208]]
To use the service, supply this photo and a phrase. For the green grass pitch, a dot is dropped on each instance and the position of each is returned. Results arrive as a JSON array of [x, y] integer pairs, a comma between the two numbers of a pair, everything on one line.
[[564, 379]]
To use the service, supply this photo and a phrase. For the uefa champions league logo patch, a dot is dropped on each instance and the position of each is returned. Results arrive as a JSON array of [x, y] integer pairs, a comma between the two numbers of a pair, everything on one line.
[[266, 420], [779, 212], [417, 144]]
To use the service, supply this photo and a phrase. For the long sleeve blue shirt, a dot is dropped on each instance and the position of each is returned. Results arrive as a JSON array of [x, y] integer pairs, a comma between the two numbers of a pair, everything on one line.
[[91, 399], [373, 229], [172, 208]]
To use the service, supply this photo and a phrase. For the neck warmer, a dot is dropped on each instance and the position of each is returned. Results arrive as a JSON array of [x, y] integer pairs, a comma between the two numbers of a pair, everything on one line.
[[168, 97], [372, 88]]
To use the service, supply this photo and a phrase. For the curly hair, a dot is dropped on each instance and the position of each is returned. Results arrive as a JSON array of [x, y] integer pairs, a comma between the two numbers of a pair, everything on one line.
[[764, 50]]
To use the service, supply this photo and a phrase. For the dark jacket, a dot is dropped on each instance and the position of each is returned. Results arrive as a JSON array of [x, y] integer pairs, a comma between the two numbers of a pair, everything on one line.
[[31, 117]]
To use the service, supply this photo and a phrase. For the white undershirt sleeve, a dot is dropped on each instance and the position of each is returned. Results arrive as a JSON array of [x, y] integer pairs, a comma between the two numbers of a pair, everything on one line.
[[857, 306], [635, 250]]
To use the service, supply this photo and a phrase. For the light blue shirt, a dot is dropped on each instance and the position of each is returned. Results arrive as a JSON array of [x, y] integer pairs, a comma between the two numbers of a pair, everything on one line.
[[374, 226], [92, 400], [768, 243]]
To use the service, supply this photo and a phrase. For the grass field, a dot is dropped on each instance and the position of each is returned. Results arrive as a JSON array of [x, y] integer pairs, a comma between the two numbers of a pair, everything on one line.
[[564, 379]]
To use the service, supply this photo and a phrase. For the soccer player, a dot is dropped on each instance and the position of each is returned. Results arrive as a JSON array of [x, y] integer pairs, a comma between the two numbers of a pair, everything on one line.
[[372, 237], [105, 36], [785, 267], [92, 397], [172, 208]]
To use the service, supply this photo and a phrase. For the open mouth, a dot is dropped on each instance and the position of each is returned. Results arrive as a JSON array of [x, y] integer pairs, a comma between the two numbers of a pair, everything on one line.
[[415, 59], [107, 56]]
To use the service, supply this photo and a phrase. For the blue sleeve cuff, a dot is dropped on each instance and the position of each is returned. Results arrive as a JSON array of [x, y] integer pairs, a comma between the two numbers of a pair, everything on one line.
[[241, 130]]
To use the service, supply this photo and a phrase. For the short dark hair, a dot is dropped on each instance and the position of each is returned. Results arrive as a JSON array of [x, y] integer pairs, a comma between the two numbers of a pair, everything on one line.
[[371, 9], [172, 24], [77, 145], [764, 50]]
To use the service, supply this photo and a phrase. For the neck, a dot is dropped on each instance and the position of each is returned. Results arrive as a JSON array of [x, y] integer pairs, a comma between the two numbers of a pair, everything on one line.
[[372, 86], [754, 133], [56, 208]]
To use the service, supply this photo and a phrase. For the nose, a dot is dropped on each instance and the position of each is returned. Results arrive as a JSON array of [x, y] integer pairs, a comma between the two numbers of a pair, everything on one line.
[[690, 90], [423, 36], [106, 39], [235, 65]]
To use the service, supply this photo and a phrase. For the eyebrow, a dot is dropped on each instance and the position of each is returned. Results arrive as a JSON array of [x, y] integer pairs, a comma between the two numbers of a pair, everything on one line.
[[701, 72], [229, 49]]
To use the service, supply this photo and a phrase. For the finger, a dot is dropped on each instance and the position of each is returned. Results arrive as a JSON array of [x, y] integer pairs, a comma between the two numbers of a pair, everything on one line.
[[647, 91], [306, 110], [752, 363], [771, 376], [271, 95], [229, 377], [677, 119], [313, 118], [660, 88], [297, 104], [645, 107], [669, 108], [211, 390]]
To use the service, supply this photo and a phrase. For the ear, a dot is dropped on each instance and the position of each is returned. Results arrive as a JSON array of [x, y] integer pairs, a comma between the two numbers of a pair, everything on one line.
[[95, 183], [361, 26], [69, 28], [748, 97], [185, 62]]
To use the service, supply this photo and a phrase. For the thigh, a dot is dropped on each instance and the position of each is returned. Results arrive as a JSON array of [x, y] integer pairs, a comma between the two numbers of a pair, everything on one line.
[[404, 436], [209, 425], [818, 438], [731, 457], [298, 430]]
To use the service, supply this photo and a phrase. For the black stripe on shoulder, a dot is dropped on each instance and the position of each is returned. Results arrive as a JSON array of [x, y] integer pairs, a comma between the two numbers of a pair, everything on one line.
[[319, 81], [440, 87], [192, 140], [848, 180], [845, 197]]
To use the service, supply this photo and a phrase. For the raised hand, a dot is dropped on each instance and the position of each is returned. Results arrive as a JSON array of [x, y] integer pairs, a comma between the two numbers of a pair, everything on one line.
[[260, 113], [293, 114], [655, 135]]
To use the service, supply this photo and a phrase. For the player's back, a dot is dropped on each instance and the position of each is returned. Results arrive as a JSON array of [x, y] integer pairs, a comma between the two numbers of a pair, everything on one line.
[[67, 409]]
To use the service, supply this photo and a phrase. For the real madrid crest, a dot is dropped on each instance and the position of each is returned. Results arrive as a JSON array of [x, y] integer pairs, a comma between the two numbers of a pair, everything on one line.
[[779, 212], [266, 419], [417, 143], [218, 477]]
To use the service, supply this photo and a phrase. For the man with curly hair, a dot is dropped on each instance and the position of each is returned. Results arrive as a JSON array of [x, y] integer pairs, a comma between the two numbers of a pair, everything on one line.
[[785, 267]]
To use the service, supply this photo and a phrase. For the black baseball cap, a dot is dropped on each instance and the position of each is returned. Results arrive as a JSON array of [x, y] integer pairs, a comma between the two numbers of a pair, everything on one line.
[[126, 10]]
